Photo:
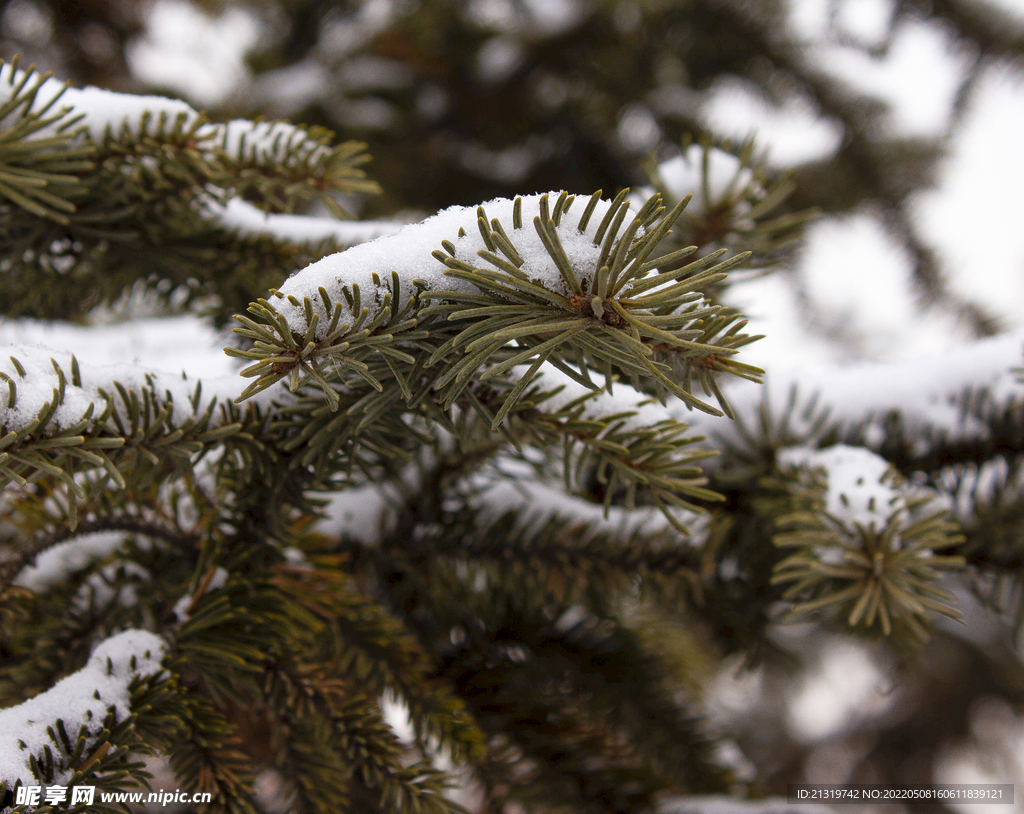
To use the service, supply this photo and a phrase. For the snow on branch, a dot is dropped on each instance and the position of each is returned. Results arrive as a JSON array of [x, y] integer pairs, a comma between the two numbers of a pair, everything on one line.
[[54, 565], [107, 114], [572, 285], [860, 489], [80, 702], [100, 112], [58, 418], [263, 142], [283, 162], [867, 541], [535, 501], [927, 394], [410, 253], [243, 218], [52, 385]]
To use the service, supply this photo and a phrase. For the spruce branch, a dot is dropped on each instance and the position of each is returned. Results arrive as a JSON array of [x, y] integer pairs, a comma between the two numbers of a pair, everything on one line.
[[609, 304], [865, 550], [372, 647], [619, 311], [279, 163], [988, 425], [40, 165], [988, 503], [739, 202], [587, 557]]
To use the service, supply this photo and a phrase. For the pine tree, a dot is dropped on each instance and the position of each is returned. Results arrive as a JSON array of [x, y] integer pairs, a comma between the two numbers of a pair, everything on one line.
[[505, 466]]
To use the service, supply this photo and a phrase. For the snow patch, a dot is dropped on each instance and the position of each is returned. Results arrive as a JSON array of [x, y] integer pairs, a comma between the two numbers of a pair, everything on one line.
[[848, 685], [245, 219], [409, 253], [54, 565], [263, 142], [919, 76], [860, 491], [80, 699], [97, 592], [795, 130], [360, 513]]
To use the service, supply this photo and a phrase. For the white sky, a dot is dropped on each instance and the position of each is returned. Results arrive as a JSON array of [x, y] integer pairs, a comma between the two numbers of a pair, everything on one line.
[[975, 214], [851, 271], [918, 76]]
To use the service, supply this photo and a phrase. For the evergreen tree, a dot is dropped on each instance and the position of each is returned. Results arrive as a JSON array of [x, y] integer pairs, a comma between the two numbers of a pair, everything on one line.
[[505, 467]]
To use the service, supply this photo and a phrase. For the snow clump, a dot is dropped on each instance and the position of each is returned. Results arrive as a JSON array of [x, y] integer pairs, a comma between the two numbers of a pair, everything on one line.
[[860, 491], [80, 699], [409, 253]]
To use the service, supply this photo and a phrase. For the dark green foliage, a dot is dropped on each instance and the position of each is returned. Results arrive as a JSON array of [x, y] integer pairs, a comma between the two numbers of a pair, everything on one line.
[[91, 214]]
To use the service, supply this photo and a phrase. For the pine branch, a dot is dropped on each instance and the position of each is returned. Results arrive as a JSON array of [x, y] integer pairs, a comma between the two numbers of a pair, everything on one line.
[[39, 163], [866, 549], [278, 165], [622, 442], [99, 706], [379, 653], [139, 433], [353, 730], [524, 679], [613, 307], [738, 202], [107, 177], [582, 557], [211, 759]]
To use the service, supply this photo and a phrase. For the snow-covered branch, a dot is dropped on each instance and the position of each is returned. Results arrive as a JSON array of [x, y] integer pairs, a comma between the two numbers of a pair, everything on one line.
[[81, 701], [410, 253], [53, 384], [926, 393]]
